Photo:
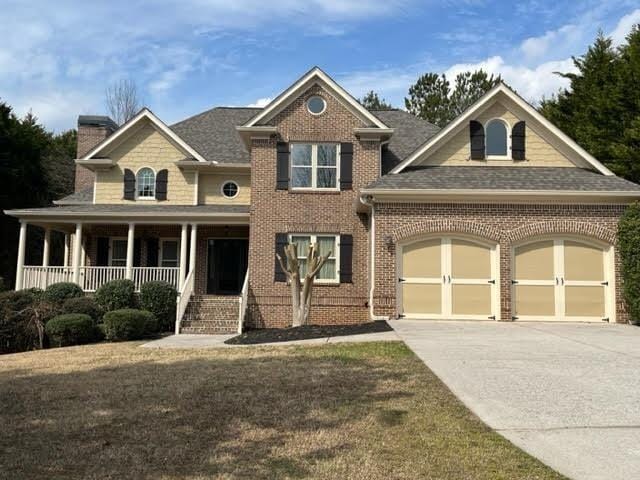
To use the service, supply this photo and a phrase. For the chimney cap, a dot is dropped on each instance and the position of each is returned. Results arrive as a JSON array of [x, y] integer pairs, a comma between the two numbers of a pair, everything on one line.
[[97, 121]]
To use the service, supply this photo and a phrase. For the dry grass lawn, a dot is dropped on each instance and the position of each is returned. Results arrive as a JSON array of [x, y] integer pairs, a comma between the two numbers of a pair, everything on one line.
[[342, 411]]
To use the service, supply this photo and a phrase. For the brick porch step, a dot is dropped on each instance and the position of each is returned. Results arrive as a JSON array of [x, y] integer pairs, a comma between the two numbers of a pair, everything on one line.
[[211, 314]]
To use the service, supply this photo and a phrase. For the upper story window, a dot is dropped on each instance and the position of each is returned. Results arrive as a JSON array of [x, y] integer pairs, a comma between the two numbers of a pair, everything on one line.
[[316, 105], [314, 166], [497, 139], [325, 244], [146, 183], [230, 189]]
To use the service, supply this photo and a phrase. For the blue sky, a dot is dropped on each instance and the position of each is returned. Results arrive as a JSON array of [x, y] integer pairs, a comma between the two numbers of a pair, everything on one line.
[[57, 57]]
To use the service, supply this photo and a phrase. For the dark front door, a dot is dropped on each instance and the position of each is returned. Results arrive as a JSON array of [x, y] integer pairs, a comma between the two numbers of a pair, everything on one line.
[[227, 265]]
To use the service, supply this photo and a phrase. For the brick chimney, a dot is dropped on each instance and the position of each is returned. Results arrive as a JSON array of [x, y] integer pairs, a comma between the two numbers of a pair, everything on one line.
[[92, 129]]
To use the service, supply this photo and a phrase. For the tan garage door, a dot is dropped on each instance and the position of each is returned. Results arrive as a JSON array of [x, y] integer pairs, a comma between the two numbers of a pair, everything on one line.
[[448, 278], [560, 279]]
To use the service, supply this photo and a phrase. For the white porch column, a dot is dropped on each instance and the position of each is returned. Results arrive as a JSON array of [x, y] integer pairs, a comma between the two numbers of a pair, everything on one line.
[[21, 250], [192, 253], [46, 248], [183, 254], [67, 237], [130, 241], [77, 250]]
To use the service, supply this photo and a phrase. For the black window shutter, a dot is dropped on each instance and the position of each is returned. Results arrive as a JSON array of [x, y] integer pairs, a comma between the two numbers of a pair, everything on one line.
[[137, 252], [162, 177], [102, 258], [282, 166], [518, 141], [282, 239], [152, 252], [129, 185], [346, 258], [346, 166], [476, 137]]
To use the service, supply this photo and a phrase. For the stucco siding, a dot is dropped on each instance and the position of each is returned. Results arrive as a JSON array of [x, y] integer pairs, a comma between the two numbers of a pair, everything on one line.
[[146, 147]]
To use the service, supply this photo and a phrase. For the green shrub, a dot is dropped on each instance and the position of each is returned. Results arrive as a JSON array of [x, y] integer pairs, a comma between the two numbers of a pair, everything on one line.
[[57, 293], [22, 318], [128, 324], [159, 298], [86, 305], [72, 329], [116, 295], [629, 244], [3, 285]]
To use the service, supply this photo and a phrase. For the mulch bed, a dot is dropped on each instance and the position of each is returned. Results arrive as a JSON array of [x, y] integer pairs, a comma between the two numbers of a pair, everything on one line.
[[306, 332]]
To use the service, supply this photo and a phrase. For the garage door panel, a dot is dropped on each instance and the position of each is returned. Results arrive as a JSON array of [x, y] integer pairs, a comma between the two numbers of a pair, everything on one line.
[[422, 298], [471, 300], [583, 262], [534, 261], [535, 300], [422, 259], [581, 301], [470, 260]]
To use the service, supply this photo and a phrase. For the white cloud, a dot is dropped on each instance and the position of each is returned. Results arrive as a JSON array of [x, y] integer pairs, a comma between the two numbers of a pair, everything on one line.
[[261, 102], [566, 37], [624, 27]]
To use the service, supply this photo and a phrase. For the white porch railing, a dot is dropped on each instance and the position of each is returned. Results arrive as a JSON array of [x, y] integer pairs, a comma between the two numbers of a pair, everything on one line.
[[183, 299], [42, 277], [244, 293], [92, 278]]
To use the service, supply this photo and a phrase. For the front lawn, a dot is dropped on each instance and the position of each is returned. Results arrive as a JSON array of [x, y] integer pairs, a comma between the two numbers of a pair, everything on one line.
[[337, 411]]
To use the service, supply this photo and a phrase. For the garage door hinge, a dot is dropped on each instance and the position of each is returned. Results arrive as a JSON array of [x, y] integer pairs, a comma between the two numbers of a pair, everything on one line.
[[514, 318], [513, 282], [401, 315], [492, 281], [400, 280], [606, 319], [604, 283], [492, 317]]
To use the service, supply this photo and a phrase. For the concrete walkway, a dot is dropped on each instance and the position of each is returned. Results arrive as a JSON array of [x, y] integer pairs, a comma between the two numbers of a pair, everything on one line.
[[217, 341], [569, 394]]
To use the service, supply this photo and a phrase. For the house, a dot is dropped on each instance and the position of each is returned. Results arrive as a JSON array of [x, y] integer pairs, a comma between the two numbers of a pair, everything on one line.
[[499, 215]]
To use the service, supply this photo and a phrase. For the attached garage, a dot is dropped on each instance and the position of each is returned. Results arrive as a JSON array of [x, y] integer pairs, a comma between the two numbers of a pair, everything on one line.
[[448, 278], [563, 279]]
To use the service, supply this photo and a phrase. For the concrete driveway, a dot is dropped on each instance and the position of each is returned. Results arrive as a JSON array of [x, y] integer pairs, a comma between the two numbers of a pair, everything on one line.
[[569, 394]]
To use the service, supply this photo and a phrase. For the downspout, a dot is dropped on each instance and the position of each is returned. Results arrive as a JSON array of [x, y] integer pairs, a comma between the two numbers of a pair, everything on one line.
[[368, 201]]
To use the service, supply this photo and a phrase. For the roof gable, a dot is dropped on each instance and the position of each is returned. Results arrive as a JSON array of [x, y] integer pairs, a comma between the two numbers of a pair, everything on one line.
[[131, 126], [504, 94], [312, 77]]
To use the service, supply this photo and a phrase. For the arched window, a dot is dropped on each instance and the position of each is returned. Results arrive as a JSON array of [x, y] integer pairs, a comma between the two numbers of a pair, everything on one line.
[[146, 183], [497, 139]]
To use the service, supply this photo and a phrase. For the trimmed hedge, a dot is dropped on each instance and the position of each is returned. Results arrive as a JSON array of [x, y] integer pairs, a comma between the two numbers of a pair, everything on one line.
[[128, 324], [629, 243], [72, 329], [86, 305], [57, 293], [116, 295], [159, 298]]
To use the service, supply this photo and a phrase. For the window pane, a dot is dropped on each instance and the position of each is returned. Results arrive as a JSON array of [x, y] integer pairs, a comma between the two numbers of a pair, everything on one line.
[[146, 182], [300, 177], [496, 133], [326, 178], [328, 270], [303, 267], [170, 250], [302, 245], [326, 245], [119, 253], [327, 155], [300, 154]]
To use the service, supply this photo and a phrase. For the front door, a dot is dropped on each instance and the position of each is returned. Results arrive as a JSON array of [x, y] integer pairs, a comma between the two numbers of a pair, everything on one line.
[[226, 265]]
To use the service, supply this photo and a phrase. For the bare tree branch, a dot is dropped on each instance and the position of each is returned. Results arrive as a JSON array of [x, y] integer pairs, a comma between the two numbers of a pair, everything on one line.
[[123, 100]]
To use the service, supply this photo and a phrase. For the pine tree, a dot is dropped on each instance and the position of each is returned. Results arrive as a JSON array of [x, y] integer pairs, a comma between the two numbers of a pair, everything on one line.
[[371, 101]]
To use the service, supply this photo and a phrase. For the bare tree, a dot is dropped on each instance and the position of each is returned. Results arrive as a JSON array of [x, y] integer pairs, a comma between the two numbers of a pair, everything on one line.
[[123, 101], [301, 290]]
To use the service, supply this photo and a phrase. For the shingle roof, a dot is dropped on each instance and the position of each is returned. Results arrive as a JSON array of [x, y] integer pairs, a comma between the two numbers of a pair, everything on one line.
[[136, 210], [77, 198], [213, 134], [409, 133], [504, 178]]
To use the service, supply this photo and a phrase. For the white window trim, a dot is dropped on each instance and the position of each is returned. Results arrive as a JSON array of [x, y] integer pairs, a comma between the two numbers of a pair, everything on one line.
[[111, 240], [508, 156], [161, 253], [138, 197], [324, 105], [314, 168], [222, 189], [335, 255]]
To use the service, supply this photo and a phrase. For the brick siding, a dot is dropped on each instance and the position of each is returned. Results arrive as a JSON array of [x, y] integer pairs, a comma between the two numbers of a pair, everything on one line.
[[503, 224], [88, 137]]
